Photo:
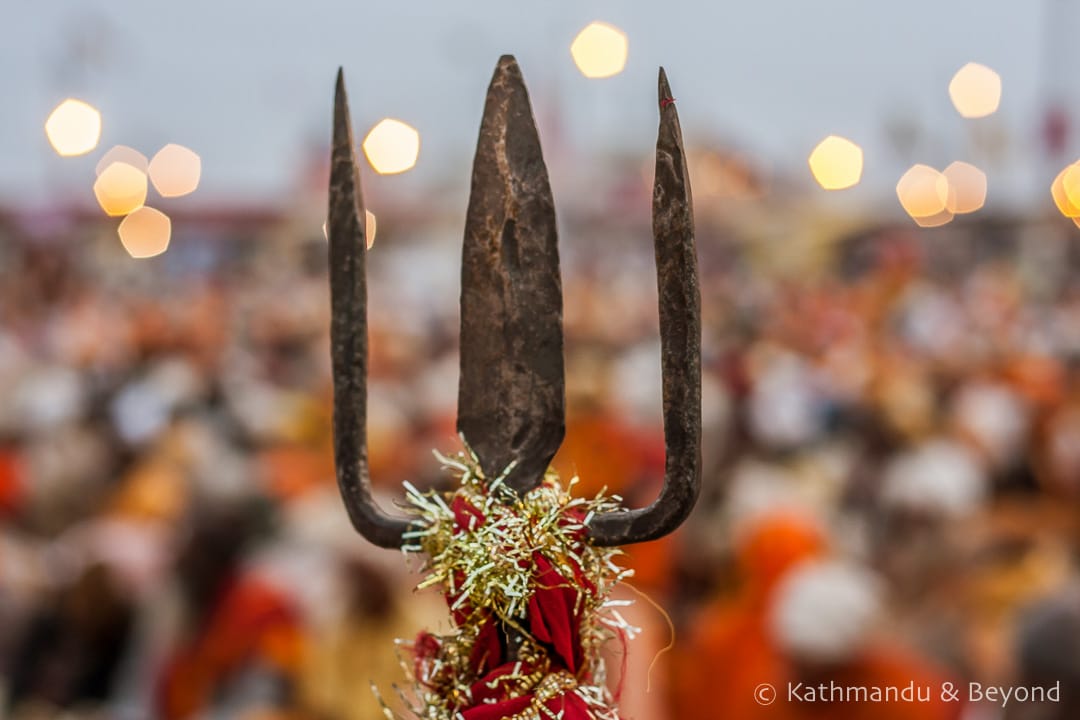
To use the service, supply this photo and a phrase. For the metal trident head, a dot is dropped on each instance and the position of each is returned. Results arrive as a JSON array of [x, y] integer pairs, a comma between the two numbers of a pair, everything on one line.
[[511, 394]]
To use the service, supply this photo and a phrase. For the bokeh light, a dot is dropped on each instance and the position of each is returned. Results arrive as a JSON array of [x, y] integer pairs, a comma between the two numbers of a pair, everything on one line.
[[120, 189], [1061, 197], [175, 171], [392, 146], [936, 220], [1070, 182], [923, 191], [145, 232], [836, 163], [370, 226], [123, 154], [967, 188], [73, 128], [975, 91], [600, 50]]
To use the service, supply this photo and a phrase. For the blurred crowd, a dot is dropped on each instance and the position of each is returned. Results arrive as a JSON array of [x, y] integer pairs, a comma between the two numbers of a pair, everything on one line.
[[891, 454]]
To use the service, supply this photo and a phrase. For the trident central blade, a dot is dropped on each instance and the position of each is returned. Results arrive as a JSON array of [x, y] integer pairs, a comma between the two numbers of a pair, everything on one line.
[[511, 395]]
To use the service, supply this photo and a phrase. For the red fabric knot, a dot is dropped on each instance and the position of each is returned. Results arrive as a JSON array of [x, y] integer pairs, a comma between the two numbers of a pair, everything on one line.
[[664, 102]]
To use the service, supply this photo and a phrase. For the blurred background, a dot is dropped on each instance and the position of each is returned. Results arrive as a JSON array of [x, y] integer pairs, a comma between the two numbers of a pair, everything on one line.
[[884, 201]]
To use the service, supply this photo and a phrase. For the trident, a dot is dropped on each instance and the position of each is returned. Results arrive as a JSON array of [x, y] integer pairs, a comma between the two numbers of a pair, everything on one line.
[[511, 392]]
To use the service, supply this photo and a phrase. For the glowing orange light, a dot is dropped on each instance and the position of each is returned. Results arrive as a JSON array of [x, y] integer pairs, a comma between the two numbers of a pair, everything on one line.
[[120, 189], [936, 220], [175, 170], [369, 228], [73, 128], [1070, 182], [123, 154], [975, 91], [145, 232], [600, 50], [836, 163], [1061, 197], [392, 146], [967, 188], [923, 191]]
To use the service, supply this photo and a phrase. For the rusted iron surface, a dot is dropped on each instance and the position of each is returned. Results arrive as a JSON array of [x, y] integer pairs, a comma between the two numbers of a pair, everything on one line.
[[511, 395], [346, 230]]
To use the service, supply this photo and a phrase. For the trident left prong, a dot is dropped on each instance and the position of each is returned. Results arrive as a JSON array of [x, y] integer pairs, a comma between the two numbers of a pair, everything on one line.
[[346, 231]]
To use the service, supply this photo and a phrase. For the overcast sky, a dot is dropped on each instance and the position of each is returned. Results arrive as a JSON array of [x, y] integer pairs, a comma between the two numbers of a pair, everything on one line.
[[248, 85]]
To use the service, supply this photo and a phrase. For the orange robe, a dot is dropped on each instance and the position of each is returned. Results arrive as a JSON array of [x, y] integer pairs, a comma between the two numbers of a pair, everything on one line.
[[727, 651]]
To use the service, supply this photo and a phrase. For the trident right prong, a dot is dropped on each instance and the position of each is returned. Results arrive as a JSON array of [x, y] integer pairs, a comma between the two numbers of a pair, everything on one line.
[[680, 344]]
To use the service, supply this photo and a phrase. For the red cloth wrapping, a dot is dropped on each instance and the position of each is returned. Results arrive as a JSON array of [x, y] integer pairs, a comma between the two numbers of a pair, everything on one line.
[[553, 618], [570, 704], [498, 710], [487, 652], [466, 517]]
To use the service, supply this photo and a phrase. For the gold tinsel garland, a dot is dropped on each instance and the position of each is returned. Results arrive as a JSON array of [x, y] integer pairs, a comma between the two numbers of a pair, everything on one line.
[[493, 554]]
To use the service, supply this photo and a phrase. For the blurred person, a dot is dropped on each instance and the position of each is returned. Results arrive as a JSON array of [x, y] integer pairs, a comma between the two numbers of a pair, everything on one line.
[[67, 471], [144, 407], [93, 333], [50, 397], [727, 650], [904, 396], [242, 639], [785, 409], [931, 319], [995, 420], [72, 648], [357, 655], [135, 534], [762, 487], [923, 491], [1018, 553], [615, 445], [603, 447], [824, 620], [356, 600], [929, 493], [1047, 647], [290, 470], [1059, 446]]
